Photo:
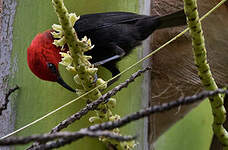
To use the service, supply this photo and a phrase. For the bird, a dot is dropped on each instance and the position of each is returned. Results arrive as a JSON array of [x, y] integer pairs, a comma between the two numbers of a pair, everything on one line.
[[113, 34]]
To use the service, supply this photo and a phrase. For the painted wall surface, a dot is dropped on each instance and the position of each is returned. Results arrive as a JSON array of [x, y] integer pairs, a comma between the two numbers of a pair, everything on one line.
[[36, 98]]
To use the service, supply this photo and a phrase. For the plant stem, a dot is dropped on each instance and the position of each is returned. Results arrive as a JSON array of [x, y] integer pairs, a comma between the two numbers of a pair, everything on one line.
[[200, 57]]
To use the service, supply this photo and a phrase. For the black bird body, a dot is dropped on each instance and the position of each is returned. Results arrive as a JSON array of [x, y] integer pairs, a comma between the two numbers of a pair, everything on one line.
[[115, 34]]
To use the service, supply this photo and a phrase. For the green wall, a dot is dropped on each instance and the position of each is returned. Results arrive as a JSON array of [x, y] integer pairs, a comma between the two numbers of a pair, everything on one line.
[[36, 98]]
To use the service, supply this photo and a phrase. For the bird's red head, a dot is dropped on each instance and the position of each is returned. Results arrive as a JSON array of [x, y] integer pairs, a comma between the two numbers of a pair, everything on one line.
[[42, 52], [43, 58]]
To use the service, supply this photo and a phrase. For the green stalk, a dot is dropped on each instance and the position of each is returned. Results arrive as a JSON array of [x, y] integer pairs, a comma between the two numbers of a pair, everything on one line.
[[84, 71], [200, 56], [69, 32], [74, 48]]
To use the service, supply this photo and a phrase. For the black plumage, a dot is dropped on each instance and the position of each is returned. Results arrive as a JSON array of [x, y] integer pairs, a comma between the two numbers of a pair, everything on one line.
[[115, 34]]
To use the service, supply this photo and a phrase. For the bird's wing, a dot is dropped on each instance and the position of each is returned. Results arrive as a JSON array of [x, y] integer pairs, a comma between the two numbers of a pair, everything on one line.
[[97, 21]]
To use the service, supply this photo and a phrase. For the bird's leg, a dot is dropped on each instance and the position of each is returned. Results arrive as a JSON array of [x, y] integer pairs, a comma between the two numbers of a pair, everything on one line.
[[95, 78], [118, 53], [109, 63], [106, 60]]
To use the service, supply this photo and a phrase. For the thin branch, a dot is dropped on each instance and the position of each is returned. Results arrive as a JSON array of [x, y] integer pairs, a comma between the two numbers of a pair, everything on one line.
[[93, 105], [63, 141], [6, 100], [135, 116], [156, 109], [73, 136]]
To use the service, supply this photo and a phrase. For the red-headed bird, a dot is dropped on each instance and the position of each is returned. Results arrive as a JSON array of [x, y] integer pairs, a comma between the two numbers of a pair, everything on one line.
[[114, 35]]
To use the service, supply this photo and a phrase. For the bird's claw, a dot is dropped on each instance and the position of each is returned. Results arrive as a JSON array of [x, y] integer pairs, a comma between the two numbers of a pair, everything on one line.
[[95, 79]]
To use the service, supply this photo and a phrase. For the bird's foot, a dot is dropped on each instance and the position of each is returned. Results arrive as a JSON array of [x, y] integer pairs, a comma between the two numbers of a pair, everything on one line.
[[95, 79]]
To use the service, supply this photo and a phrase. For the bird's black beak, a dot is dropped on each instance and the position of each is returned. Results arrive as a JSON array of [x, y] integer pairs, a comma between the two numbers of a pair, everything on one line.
[[54, 70], [62, 83]]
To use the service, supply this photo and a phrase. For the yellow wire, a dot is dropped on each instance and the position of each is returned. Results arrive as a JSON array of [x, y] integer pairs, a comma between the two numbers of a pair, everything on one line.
[[146, 57]]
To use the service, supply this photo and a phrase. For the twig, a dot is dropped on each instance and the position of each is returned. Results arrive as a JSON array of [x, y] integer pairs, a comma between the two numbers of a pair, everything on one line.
[[155, 109], [66, 135], [135, 116], [93, 105], [6, 100]]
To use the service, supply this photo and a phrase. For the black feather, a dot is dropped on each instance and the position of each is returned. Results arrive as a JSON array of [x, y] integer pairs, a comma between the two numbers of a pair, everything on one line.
[[112, 31]]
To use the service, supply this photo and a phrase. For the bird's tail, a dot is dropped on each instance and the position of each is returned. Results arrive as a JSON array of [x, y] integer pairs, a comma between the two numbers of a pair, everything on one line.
[[175, 19]]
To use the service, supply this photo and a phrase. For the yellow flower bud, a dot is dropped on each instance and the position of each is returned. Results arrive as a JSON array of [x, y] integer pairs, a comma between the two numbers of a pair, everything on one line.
[[102, 83], [111, 102], [114, 118], [94, 119]]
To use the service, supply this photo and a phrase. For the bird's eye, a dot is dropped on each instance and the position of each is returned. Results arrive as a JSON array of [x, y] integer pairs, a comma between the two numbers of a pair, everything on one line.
[[52, 67]]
